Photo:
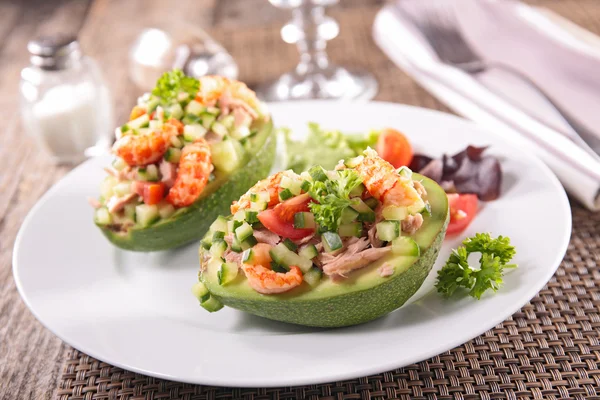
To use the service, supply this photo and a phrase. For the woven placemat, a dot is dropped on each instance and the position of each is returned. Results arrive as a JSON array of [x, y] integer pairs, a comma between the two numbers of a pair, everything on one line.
[[548, 350]]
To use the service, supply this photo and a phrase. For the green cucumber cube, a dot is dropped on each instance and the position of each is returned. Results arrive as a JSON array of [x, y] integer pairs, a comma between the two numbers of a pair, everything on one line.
[[227, 272], [351, 229], [405, 246], [331, 241], [388, 230], [313, 276]]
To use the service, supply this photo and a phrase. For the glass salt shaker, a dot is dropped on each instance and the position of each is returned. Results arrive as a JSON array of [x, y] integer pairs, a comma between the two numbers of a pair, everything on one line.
[[65, 104]]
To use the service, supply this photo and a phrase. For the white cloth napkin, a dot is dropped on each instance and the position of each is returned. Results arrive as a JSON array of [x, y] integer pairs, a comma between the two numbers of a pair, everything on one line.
[[541, 48]]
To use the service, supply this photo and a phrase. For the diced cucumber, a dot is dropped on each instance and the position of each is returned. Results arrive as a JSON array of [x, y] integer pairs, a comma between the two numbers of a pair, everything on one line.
[[426, 210], [191, 133], [190, 119], [194, 107], [404, 172], [146, 215], [151, 104], [119, 164], [395, 213], [372, 202], [218, 235], [233, 225], [348, 215], [388, 230], [304, 220], [279, 268], [176, 111], [285, 194], [290, 245], [213, 110], [102, 216], [259, 205], [365, 213], [240, 215], [218, 247], [227, 272], [129, 211], [219, 128], [248, 243], [200, 291], [122, 189], [155, 125], [212, 304], [260, 196], [206, 242], [247, 256], [107, 186], [309, 251], [144, 130], [149, 173], [353, 162], [251, 216], [357, 191], [351, 229], [284, 256], [294, 185], [207, 120], [313, 276], [139, 122], [405, 246], [240, 132], [236, 245], [124, 128], [226, 155], [416, 207], [318, 173], [243, 232], [331, 241], [305, 185], [176, 142], [220, 224], [165, 210], [173, 155], [227, 121]]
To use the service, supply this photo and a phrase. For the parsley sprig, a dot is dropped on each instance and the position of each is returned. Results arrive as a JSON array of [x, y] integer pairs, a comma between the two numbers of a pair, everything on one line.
[[172, 83], [457, 273], [332, 196]]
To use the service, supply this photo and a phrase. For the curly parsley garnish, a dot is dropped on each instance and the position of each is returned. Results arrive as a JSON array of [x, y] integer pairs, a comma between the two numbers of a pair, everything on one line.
[[172, 83], [331, 196], [495, 254]]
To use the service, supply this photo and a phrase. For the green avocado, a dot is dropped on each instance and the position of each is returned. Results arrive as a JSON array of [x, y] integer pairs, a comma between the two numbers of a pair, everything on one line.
[[191, 223], [362, 297]]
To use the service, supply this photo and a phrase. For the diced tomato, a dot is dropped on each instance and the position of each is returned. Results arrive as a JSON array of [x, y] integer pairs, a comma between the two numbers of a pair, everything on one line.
[[137, 112], [394, 147], [152, 114], [463, 208], [151, 192], [272, 222], [286, 210]]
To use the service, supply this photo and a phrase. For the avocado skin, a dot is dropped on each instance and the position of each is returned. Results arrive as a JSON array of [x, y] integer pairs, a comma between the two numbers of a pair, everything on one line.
[[192, 223], [347, 309]]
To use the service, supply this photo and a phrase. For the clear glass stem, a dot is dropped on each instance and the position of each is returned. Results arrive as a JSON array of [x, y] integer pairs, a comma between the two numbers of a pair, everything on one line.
[[311, 44]]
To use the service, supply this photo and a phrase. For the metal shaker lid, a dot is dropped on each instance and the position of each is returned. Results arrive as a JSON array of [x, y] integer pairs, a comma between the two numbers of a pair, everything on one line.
[[54, 52]]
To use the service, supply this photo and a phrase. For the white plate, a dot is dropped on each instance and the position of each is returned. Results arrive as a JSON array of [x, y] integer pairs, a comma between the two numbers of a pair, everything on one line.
[[135, 311]]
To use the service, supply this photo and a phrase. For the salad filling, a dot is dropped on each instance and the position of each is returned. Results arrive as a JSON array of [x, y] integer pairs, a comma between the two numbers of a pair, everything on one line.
[[293, 228], [181, 136]]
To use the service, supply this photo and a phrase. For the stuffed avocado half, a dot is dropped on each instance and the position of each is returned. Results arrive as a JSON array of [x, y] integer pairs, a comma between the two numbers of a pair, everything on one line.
[[190, 148], [325, 248]]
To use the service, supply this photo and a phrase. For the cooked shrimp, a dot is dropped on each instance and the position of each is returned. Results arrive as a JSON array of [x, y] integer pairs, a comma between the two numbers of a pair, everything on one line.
[[270, 184], [148, 148], [382, 181], [195, 167], [231, 93], [263, 279]]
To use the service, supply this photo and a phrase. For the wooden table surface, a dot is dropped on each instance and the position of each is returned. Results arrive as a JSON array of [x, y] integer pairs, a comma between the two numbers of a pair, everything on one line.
[[31, 357]]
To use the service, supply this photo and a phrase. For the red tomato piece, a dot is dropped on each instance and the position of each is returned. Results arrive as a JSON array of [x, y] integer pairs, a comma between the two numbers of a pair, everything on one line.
[[463, 208], [286, 210], [151, 192], [394, 147], [272, 222]]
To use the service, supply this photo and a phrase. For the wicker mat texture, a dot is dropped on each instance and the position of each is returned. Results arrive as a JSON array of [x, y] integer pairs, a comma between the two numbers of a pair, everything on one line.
[[548, 350]]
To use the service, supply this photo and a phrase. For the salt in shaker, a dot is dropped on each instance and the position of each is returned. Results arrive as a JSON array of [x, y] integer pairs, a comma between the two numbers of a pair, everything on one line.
[[65, 103]]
